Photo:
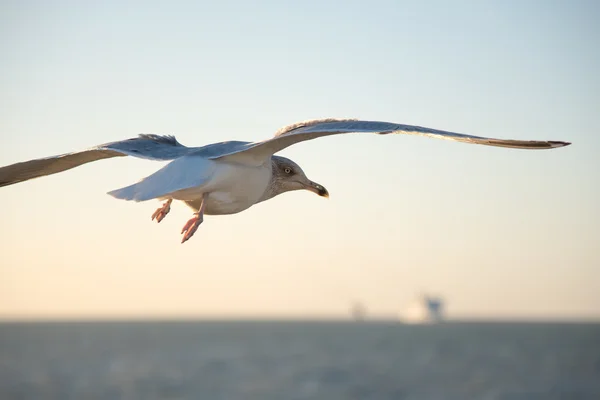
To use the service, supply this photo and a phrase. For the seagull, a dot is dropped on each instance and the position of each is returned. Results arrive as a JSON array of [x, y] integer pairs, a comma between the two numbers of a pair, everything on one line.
[[232, 176]]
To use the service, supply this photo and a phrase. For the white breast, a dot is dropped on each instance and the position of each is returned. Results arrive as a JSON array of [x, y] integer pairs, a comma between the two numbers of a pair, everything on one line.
[[232, 188]]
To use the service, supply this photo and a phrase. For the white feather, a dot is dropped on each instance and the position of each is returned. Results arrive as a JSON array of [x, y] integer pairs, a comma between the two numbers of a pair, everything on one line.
[[183, 173]]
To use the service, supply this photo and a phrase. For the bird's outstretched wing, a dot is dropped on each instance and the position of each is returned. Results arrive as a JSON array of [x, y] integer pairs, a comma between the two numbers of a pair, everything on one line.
[[258, 152], [153, 147]]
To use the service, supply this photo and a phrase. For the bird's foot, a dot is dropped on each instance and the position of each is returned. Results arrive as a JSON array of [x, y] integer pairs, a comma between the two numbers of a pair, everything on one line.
[[191, 227], [162, 212]]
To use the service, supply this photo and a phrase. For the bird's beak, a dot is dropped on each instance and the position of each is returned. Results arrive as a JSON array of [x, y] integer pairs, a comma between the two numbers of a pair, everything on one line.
[[318, 189]]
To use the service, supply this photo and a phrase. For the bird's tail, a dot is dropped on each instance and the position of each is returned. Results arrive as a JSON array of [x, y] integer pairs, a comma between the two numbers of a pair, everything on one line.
[[130, 192], [144, 190], [179, 174]]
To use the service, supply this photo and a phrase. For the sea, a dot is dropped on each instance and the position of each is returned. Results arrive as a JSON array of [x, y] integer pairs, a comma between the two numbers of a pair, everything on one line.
[[329, 360]]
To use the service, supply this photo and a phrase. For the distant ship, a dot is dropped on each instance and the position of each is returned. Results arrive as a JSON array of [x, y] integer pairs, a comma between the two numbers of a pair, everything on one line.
[[425, 309], [358, 311]]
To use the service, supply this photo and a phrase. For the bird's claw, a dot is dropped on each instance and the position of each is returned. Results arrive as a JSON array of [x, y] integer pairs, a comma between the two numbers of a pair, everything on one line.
[[190, 228], [162, 212]]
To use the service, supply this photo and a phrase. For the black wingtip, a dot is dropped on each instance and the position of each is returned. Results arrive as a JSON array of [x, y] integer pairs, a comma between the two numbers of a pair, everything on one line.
[[559, 144]]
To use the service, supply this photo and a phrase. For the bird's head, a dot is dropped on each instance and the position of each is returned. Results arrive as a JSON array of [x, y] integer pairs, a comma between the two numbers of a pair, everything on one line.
[[287, 176]]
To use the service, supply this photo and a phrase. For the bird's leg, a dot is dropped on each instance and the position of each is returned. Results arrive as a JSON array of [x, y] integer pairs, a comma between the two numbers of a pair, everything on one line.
[[162, 212], [192, 225]]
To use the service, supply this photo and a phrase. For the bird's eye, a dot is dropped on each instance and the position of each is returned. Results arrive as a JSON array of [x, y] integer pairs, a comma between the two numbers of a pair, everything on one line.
[[287, 170]]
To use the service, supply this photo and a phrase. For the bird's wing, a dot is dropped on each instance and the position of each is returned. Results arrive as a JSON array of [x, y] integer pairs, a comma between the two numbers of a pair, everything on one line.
[[153, 147], [217, 150], [259, 152]]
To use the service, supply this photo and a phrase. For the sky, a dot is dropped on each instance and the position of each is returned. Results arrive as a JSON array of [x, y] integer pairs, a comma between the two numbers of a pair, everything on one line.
[[499, 233]]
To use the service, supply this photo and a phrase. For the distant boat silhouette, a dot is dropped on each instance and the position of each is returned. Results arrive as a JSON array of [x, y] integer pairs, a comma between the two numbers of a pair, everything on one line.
[[426, 309], [358, 311]]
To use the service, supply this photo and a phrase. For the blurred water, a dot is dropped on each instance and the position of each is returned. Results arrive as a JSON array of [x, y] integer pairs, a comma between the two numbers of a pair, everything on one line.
[[298, 360]]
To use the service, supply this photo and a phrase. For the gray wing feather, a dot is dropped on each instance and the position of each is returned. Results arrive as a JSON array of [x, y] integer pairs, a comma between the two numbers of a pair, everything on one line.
[[258, 153], [217, 150], [153, 147]]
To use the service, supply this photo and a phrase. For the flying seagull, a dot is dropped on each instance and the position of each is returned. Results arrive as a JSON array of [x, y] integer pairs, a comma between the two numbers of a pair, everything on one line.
[[229, 177]]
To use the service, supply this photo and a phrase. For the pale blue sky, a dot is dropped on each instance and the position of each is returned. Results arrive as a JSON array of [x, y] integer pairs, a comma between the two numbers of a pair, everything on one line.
[[500, 233]]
